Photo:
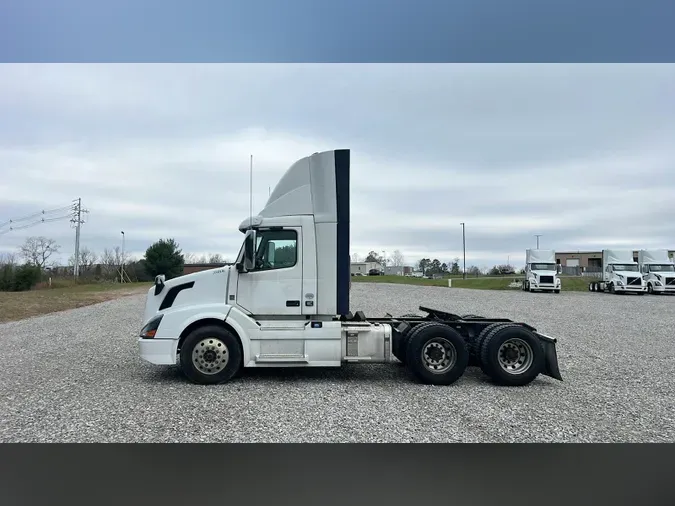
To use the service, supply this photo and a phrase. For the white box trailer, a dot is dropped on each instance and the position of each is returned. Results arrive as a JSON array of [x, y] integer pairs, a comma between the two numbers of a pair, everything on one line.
[[620, 274], [541, 271], [658, 271], [285, 303]]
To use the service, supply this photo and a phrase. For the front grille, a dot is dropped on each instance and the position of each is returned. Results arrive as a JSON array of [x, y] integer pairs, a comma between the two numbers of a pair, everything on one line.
[[546, 279], [633, 281], [671, 281]]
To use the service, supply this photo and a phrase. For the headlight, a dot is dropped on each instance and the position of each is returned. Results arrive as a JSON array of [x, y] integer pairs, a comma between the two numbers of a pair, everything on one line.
[[620, 283], [150, 328]]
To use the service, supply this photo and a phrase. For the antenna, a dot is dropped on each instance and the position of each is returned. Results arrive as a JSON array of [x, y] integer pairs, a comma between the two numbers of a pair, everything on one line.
[[250, 209]]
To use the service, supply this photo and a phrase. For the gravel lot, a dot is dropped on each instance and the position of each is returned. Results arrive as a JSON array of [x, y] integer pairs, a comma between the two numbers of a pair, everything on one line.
[[76, 376]]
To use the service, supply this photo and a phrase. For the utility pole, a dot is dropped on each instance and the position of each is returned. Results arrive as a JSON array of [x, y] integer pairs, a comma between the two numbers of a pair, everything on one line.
[[77, 219], [122, 260], [538, 236], [464, 250]]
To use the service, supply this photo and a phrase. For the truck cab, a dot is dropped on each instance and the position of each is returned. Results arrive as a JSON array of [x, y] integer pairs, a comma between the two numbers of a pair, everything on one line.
[[541, 271], [658, 271], [620, 273], [285, 302]]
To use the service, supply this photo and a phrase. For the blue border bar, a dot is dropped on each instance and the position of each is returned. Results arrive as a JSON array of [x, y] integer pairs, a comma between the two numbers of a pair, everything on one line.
[[345, 31]]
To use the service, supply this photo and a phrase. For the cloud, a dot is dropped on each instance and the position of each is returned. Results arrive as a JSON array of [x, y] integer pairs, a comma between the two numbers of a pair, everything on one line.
[[581, 154]]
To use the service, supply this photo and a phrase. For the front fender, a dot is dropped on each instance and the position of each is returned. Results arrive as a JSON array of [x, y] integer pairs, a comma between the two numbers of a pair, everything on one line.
[[174, 322]]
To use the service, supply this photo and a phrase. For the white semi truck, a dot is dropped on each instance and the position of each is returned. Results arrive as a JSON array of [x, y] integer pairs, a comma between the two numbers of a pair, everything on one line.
[[285, 303], [541, 271], [658, 271], [620, 274]]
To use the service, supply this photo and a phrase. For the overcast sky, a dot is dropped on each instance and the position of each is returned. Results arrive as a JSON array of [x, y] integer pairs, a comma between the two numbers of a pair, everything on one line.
[[582, 154]]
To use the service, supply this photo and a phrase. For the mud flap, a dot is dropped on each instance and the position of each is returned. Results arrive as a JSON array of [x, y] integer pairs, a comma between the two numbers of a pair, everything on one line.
[[551, 368]]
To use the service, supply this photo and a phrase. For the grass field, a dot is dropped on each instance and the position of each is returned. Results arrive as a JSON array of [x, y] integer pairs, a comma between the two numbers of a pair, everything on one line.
[[569, 283], [20, 305]]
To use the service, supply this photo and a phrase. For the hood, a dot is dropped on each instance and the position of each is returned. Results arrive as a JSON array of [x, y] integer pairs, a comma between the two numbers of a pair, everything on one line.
[[629, 274], [545, 273], [203, 287]]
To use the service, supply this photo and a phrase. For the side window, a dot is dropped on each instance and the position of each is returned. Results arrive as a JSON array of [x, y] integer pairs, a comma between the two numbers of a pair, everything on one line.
[[276, 249]]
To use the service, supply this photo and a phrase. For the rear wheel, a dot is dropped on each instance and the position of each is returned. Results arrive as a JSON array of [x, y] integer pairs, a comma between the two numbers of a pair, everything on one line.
[[436, 354], [511, 356], [475, 346], [210, 355]]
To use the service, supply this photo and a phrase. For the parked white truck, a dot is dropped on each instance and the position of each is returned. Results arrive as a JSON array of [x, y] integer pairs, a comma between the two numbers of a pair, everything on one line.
[[658, 271], [620, 274], [285, 303], [541, 271]]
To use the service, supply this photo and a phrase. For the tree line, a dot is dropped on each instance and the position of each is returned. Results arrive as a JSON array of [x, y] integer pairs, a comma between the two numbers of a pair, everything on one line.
[[430, 267], [34, 262]]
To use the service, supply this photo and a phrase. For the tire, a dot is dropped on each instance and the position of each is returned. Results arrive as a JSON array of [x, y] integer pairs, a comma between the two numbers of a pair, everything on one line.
[[650, 289], [509, 370], [475, 345], [436, 354], [213, 339], [399, 350], [611, 289], [590, 287], [556, 291]]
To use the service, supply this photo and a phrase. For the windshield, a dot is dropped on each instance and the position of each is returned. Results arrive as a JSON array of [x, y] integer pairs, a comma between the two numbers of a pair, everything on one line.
[[626, 267], [662, 268], [542, 267]]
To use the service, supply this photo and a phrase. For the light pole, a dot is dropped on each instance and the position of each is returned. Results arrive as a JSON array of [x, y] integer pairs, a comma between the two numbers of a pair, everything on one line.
[[384, 262], [464, 250], [538, 236], [122, 260]]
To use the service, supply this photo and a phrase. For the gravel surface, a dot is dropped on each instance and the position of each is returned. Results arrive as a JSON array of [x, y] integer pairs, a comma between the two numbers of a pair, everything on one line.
[[76, 376]]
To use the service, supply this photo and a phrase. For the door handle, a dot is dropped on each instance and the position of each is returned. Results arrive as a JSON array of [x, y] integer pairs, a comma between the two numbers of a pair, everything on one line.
[[292, 303]]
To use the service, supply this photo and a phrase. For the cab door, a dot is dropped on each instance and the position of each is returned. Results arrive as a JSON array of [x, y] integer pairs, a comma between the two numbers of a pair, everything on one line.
[[274, 285]]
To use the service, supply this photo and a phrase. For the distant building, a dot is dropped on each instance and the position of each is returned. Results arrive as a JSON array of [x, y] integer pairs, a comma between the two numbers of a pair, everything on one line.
[[362, 268], [400, 270], [590, 261]]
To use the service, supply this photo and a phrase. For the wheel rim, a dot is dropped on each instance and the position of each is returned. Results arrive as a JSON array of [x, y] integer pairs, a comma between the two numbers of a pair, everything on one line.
[[439, 355], [515, 356], [210, 356]]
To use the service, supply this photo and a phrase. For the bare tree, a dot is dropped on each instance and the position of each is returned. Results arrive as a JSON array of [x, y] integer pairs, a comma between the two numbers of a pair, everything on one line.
[[190, 258], [397, 258], [112, 259], [87, 260], [216, 258], [356, 257], [38, 250], [8, 259]]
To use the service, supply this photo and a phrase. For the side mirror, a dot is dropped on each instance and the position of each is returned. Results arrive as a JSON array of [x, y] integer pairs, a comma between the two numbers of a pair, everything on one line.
[[249, 250], [559, 269]]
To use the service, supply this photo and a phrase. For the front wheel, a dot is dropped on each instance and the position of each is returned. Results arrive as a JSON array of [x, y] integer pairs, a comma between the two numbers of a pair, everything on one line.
[[436, 354], [210, 355]]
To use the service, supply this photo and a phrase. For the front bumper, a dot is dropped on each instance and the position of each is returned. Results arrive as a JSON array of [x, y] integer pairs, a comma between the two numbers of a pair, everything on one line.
[[544, 286], [158, 351], [663, 289], [630, 288]]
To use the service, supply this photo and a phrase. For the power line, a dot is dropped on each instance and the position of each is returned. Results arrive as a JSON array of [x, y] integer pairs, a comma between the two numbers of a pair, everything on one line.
[[39, 213], [37, 222]]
